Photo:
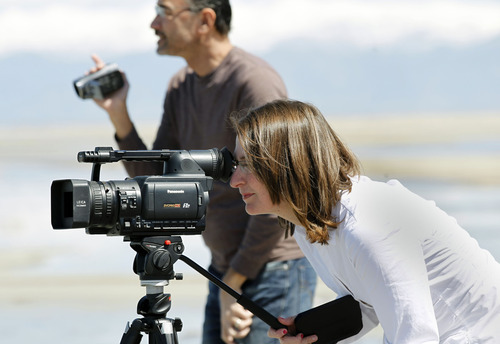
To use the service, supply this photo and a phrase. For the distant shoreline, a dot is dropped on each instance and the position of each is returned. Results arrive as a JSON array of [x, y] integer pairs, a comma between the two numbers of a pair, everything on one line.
[[109, 289], [471, 167]]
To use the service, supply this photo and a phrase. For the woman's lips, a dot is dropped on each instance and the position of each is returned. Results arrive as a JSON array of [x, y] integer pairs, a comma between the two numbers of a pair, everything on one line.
[[246, 196]]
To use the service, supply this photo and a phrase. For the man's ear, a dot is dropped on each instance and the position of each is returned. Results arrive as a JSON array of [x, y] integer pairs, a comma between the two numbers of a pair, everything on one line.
[[208, 17]]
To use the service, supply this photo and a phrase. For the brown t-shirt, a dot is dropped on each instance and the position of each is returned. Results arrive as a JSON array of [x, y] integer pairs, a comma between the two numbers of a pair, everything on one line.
[[195, 116]]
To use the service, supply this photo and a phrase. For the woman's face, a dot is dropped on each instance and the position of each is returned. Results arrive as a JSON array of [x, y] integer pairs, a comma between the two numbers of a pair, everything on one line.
[[253, 191]]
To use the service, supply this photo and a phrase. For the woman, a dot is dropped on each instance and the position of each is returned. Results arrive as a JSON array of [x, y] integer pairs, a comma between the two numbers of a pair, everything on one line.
[[411, 267]]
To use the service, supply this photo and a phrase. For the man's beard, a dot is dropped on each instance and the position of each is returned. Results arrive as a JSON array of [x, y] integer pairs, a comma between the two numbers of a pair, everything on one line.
[[162, 43]]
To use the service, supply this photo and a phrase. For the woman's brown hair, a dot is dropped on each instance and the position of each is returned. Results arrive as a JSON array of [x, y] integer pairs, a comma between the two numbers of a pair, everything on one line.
[[291, 148]]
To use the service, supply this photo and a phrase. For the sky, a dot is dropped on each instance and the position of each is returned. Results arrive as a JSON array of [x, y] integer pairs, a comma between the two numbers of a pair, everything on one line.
[[69, 28], [348, 57]]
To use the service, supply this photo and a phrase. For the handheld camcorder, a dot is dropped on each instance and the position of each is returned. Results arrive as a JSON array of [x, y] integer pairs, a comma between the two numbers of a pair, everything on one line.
[[100, 84], [170, 204]]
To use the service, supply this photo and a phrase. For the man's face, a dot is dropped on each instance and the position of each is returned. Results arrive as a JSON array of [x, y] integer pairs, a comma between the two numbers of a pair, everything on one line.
[[174, 25]]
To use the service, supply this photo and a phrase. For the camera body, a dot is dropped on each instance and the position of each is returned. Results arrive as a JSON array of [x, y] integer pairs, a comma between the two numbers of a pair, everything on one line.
[[100, 84], [168, 204]]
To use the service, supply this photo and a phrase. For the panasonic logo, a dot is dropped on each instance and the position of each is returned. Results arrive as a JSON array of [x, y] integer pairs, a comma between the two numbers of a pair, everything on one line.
[[175, 191]]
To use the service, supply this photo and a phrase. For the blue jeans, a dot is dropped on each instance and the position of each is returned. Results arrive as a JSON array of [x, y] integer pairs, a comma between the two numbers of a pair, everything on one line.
[[283, 288]]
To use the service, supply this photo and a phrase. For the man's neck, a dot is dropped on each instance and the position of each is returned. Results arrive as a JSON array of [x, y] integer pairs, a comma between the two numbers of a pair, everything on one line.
[[209, 56]]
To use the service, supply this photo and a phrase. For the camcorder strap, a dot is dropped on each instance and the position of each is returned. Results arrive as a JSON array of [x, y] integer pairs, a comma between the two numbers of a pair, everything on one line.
[[331, 322]]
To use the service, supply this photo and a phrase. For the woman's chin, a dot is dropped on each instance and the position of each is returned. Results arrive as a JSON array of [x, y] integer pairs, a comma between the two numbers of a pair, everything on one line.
[[252, 211]]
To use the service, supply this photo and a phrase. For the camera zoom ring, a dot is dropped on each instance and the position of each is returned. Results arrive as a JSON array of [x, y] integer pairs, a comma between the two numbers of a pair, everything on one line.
[[109, 201], [97, 197], [215, 163]]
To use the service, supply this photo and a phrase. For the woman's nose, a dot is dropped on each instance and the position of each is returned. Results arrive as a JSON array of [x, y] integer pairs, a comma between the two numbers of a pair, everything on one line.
[[236, 179]]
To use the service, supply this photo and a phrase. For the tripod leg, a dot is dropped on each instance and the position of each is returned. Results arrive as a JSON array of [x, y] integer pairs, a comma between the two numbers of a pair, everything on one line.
[[163, 332], [132, 333]]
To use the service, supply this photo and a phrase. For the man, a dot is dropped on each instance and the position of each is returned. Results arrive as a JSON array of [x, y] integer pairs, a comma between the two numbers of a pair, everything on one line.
[[250, 254]]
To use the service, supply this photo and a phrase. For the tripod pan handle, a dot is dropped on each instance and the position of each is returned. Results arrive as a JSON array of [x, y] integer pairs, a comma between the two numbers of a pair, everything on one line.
[[243, 300], [260, 312]]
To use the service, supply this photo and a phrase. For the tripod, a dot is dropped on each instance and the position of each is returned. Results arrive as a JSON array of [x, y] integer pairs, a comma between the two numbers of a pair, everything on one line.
[[154, 307], [154, 264]]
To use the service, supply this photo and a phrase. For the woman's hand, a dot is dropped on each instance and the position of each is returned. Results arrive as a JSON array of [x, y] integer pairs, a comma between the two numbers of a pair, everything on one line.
[[286, 337]]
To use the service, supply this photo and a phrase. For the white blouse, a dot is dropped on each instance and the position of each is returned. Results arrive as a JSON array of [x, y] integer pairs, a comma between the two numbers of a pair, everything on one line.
[[411, 267]]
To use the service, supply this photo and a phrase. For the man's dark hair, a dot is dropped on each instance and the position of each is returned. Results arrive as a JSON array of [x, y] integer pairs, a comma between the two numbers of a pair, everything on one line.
[[222, 9]]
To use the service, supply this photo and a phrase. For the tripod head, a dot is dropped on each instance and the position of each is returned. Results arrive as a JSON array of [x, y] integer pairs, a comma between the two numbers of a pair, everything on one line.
[[155, 259]]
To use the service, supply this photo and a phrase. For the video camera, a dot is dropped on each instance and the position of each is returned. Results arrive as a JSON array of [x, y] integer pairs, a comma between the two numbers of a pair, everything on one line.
[[171, 204], [100, 84]]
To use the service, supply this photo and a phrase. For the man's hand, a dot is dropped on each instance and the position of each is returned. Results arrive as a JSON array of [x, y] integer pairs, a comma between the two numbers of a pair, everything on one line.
[[116, 104], [285, 337], [235, 320]]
